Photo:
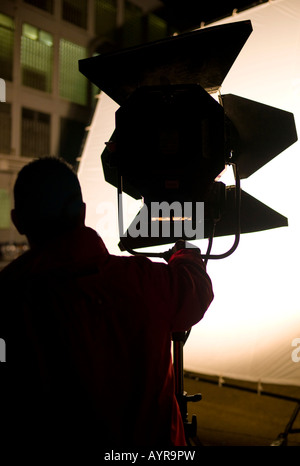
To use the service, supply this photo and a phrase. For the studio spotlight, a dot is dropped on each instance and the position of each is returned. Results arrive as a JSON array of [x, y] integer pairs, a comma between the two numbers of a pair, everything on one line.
[[173, 139]]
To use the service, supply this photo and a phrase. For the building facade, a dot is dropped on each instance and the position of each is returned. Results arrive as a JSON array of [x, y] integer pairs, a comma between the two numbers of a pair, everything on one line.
[[48, 103]]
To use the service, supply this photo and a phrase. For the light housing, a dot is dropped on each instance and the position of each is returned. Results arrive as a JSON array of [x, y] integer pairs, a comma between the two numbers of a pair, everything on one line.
[[172, 139]]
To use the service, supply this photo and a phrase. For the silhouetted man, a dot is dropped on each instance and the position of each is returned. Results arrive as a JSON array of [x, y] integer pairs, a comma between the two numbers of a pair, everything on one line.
[[88, 334]]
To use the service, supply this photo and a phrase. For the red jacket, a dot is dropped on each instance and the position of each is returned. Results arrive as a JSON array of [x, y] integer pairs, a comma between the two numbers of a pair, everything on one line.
[[88, 338]]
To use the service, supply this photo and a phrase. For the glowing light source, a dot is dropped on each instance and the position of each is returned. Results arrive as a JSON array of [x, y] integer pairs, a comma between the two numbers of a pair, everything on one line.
[[248, 331]]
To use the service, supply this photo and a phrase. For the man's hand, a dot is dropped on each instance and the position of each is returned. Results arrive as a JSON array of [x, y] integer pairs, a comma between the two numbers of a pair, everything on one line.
[[180, 244]]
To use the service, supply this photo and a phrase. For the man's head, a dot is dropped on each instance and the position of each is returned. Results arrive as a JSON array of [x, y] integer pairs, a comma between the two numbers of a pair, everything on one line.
[[48, 200]]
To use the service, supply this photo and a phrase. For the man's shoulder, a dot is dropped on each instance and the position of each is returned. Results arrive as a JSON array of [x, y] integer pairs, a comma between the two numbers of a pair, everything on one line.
[[138, 261], [16, 269]]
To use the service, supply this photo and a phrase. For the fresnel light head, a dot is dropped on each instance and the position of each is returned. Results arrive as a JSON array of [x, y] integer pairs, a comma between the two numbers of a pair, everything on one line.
[[173, 139]]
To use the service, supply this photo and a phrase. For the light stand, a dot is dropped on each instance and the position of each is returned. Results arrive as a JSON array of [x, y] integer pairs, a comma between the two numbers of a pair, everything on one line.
[[179, 338], [190, 428], [282, 439]]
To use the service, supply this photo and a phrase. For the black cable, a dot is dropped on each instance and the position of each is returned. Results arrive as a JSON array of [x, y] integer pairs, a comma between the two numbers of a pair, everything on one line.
[[210, 242], [238, 221]]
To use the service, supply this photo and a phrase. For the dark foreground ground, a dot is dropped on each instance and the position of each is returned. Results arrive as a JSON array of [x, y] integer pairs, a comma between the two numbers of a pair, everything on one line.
[[238, 417]]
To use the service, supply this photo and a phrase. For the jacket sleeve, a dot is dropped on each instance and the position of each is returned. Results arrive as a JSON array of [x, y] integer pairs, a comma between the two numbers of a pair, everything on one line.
[[191, 288]]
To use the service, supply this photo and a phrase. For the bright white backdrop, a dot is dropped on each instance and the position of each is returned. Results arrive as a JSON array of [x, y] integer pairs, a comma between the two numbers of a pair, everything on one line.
[[252, 329]]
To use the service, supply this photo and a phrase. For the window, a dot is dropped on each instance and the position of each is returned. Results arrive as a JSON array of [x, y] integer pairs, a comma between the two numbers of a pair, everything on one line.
[[157, 28], [46, 5], [5, 208], [5, 128], [36, 58], [72, 84], [75, 12], [72, 134], [105, 18], [35, 133], [133, 26], [6, 46]]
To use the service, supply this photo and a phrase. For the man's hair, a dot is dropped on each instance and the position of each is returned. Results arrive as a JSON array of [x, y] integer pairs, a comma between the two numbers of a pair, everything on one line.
[[48, 198]]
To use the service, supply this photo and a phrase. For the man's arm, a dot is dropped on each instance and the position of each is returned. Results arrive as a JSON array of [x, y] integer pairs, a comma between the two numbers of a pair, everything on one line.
[[192, 286]]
